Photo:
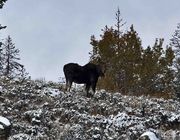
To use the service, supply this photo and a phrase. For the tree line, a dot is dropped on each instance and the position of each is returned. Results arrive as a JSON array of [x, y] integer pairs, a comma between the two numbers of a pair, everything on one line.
[[133, 68], [130, 67]]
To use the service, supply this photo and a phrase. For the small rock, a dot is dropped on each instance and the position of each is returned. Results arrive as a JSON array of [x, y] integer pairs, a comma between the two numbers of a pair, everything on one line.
[[148, 136], [5, 128]]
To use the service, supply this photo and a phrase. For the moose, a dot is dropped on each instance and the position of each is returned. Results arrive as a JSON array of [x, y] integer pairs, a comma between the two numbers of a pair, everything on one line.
[[87, 74]]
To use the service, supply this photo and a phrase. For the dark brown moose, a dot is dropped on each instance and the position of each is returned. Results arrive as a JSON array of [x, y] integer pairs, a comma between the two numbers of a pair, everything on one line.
[[87, 74]]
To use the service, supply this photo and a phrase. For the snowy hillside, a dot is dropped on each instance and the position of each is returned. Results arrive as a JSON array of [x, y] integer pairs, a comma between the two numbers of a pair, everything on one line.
[[40, 111]]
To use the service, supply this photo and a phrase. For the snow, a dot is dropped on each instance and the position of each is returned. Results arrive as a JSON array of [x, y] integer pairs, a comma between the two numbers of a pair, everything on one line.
[[1, 126], [1, 88], [174, 117], [4, 121], [150, 135], [97, 136], [52, 92], [40, 110], [21, 136]]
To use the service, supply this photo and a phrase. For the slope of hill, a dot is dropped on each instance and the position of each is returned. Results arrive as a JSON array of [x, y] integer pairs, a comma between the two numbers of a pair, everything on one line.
[[40, 111]]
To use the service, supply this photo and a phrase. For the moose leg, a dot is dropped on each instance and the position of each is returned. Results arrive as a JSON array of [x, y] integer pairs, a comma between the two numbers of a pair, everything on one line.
[[68, 85], [87, 90], [94, 87]]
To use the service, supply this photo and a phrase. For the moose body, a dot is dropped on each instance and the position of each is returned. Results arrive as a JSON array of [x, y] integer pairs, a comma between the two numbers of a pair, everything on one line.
[[87, 74]]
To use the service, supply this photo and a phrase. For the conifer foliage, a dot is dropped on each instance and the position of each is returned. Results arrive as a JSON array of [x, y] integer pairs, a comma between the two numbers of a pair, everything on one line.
[[175, 43], [130, 67], [2, 3], [9, 54], [10, 67]]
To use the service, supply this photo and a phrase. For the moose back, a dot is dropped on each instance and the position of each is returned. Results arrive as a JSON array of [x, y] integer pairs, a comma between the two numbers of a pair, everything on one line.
[[87, 74]]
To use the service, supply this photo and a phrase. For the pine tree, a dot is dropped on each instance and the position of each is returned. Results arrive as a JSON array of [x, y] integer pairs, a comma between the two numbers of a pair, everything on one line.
[[11, 67], [156, 70], [129, 67], [104, 53], [1, 27], [175, 40], [128, 61], [121, 54], [177, 77], [120, 23], [168, 70], [175, 43]]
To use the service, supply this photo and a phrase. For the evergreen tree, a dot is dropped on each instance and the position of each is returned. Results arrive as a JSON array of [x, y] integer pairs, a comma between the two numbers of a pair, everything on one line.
[[1, 27], [155, 73], [120, 23], [121, 54], [177, 77], [129, 67], [168, 70], [175, 43], [161, 72], [147, 69], [11, 67], [128, 61], [156, 70], [104, 53]]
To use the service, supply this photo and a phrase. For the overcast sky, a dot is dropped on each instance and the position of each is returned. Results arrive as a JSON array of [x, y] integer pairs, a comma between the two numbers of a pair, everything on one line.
[[51, 33]]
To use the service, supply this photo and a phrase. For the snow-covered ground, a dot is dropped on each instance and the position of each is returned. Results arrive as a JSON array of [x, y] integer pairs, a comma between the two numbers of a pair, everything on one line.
[[4, 121], [43, 111]]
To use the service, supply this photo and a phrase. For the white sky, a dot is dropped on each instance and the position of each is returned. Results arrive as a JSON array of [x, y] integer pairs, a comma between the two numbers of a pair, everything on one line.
[[51, 33]]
